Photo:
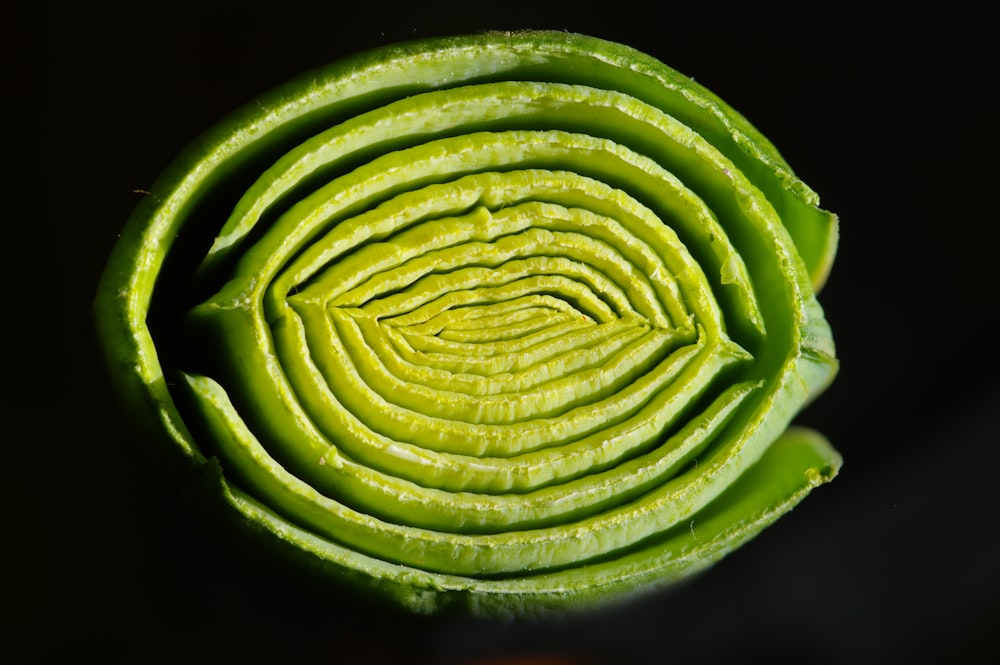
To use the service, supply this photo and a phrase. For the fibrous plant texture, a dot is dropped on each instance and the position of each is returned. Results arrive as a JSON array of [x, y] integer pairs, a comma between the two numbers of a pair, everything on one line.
[[500, 323]]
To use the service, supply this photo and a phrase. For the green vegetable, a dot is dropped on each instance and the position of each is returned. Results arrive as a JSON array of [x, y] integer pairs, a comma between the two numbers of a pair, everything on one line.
[[503, 323]]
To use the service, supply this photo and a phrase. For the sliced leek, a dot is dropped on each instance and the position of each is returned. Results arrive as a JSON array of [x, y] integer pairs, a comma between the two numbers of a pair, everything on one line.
[[503, 322]]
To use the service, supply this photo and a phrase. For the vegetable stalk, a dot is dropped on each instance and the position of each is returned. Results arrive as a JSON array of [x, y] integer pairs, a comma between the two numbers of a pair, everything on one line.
[[506, 322]]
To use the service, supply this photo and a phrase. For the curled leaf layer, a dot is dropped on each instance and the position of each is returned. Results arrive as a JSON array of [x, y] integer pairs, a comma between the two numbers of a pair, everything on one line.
[[506, 322]]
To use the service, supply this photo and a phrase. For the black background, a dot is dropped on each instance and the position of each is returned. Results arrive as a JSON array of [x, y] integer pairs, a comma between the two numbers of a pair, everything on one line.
[[885, 112]]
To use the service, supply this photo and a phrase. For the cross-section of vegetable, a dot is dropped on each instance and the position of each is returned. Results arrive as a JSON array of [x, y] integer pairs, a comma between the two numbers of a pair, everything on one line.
[[503, 322]]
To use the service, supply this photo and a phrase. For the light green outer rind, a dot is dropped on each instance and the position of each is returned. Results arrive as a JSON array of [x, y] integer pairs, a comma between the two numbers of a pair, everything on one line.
[[127, 285], [799, 461]]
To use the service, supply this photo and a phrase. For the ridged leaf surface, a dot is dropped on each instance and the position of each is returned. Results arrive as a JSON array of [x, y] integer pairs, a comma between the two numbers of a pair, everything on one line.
[[504, 322]]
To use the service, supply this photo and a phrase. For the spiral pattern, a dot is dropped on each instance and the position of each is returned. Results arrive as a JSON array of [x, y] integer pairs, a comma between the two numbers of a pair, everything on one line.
[[509, 321]]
